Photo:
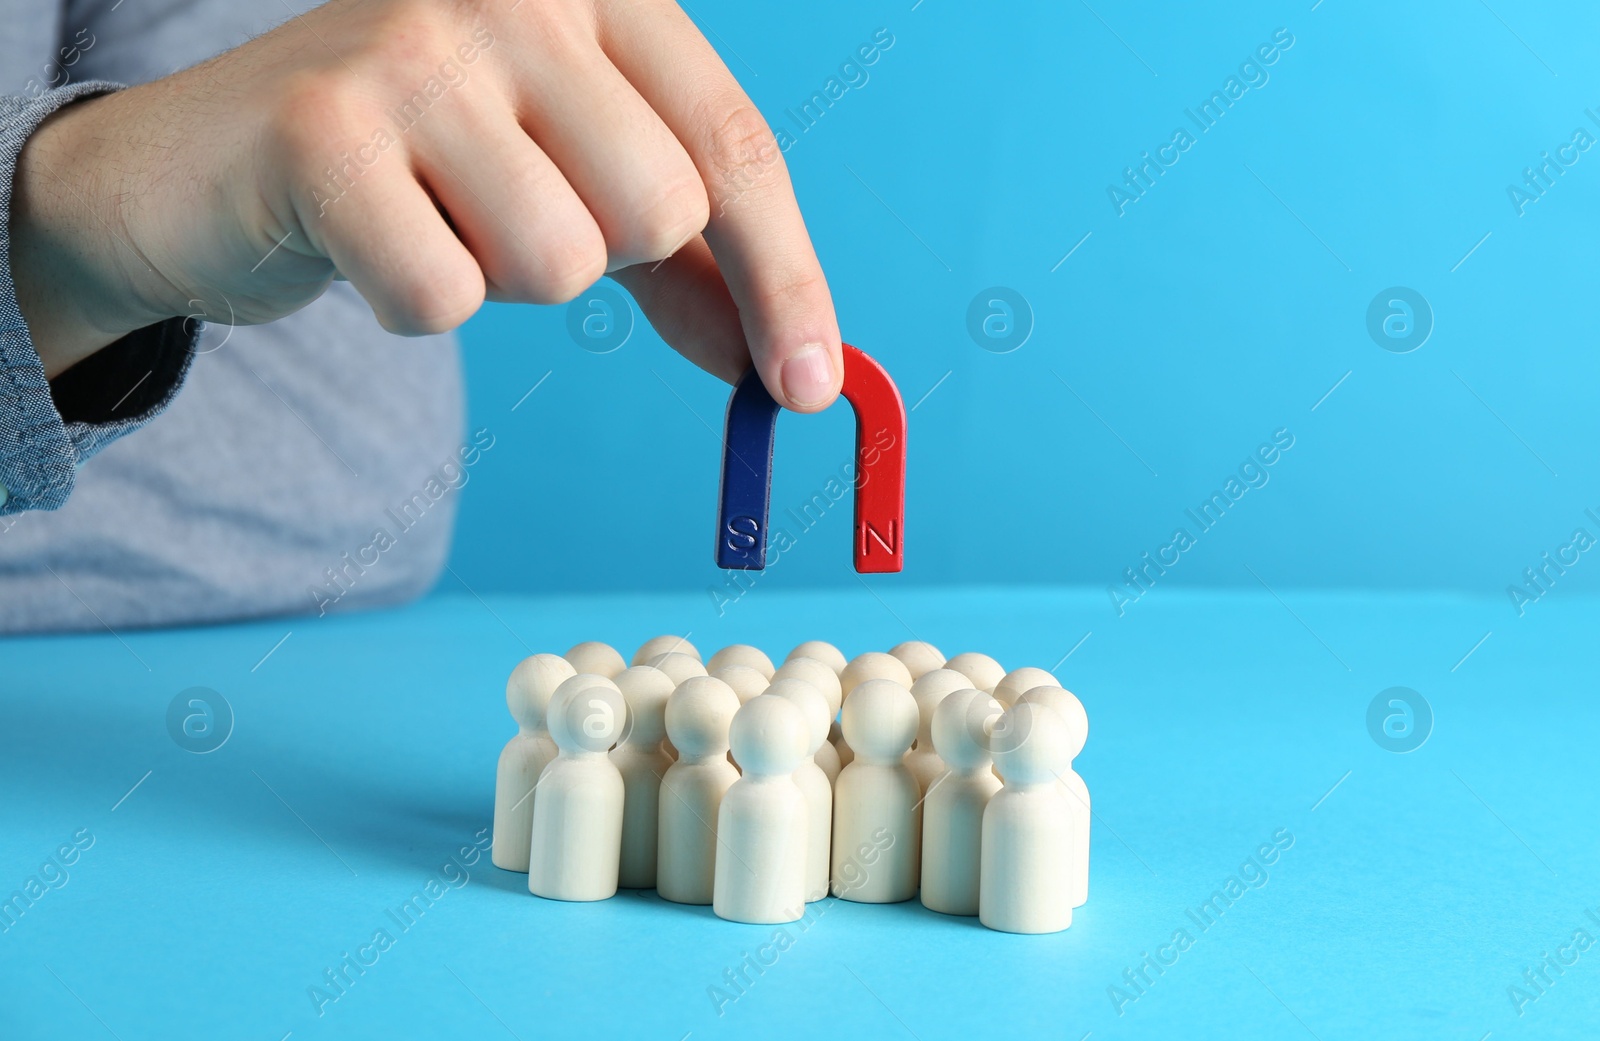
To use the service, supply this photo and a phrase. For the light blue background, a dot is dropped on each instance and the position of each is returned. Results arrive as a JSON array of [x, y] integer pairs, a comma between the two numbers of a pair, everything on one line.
[[1203, 319]]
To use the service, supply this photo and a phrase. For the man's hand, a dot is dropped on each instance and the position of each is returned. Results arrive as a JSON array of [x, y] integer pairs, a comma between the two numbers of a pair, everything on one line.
[[434, 153]]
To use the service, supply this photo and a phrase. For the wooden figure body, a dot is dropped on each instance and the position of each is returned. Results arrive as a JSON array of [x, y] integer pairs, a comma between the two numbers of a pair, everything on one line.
[[952, 812], [875, 803], [821, 675], [1069, 708], [763, 819], [1025, 883], [577, 815], [813, 782], [528, 693], [699, 714], [642, 760], [928, 692]]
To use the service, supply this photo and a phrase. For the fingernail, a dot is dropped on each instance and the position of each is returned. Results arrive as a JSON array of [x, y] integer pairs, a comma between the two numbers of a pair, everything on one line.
[[808, 376]]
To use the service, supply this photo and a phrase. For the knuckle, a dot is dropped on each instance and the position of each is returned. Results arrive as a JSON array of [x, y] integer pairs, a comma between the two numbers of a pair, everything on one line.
[[567, 273], [554, 255], [741, 149], [436, 307], [674, 211], [567, 35], [796, 286], [318, 113]]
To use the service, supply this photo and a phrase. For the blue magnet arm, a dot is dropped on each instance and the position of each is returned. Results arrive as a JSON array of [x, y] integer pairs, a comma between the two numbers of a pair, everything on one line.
[[746, 495]]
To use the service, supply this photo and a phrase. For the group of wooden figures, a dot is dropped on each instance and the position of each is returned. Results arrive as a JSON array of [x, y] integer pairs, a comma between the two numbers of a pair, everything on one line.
[[757, 789]]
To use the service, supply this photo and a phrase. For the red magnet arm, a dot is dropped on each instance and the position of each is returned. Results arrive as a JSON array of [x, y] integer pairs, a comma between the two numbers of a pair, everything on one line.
[[880, 464]]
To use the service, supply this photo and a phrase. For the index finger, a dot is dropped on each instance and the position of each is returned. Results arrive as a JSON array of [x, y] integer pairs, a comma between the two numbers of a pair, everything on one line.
[[756, 232]]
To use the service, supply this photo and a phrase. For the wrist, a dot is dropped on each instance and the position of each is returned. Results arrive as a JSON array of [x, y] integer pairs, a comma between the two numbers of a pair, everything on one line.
[[72, 257]]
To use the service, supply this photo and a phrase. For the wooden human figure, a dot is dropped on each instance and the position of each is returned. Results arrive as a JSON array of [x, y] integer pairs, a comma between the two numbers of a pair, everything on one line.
[[678, 665], [763, 819], [742, 654], [599, 659], [928, 692], [821, 675], [820, 650], [699, 714], [813, 783], [952, 813], [873, 665], [817, 673], [919, 657], [746, 682], [868, 666], [984, 672], [528, 693], [642, 761], [663, 645], [1029, 835], [577, 816], [876, 840], [1018, 682], [1066, 704]]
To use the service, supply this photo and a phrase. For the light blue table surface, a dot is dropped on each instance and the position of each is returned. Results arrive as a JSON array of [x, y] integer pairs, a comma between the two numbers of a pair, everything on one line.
[[219, 888]]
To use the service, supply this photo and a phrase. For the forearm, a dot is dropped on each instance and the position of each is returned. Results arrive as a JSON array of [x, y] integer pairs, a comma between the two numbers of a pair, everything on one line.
[[53, 419]]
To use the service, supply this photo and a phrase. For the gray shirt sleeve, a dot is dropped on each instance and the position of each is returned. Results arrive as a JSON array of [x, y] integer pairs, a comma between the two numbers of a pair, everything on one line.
[[49, 430]]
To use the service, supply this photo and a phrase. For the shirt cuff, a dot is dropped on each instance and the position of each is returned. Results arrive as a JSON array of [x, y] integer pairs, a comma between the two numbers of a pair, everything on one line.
[[47, 432]]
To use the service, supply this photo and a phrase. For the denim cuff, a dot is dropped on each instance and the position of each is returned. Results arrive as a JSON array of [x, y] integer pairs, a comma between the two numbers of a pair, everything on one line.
[[47, 432]]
